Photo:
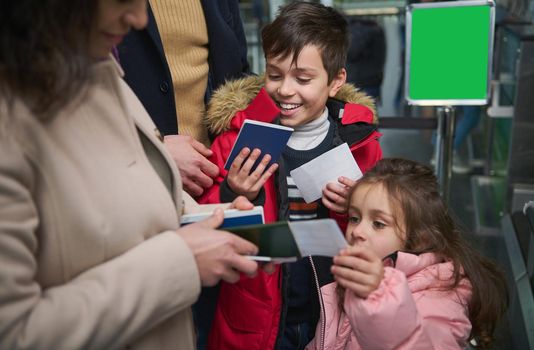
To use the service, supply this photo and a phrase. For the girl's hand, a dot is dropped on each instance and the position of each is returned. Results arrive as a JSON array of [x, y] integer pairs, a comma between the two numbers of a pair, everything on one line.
[[359, 270], [336, 195], [244, 182]]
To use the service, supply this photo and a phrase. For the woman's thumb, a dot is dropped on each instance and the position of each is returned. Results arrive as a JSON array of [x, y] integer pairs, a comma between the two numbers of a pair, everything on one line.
[[215, 219]]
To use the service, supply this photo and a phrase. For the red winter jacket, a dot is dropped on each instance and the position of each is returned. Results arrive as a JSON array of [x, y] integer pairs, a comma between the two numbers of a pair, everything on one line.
[[248, 312]]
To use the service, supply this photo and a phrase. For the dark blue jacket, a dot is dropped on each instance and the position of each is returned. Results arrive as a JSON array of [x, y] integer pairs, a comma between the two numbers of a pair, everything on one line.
[[147, 72]]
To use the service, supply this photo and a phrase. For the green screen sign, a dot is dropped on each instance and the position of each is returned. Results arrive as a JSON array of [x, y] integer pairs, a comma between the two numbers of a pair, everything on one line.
[[449, 50]]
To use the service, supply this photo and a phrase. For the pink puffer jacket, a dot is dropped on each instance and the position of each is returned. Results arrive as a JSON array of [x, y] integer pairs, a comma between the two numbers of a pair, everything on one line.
[[409, 310]]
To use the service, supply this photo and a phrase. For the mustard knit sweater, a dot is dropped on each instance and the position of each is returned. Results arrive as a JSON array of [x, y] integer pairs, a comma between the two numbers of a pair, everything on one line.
[[184, 35]]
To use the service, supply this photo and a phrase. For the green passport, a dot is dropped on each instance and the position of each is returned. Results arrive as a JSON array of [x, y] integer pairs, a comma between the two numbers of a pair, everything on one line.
[[288, 241]]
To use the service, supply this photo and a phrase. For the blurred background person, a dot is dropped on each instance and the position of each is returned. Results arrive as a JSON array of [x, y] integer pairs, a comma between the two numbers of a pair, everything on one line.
[[366, 56]]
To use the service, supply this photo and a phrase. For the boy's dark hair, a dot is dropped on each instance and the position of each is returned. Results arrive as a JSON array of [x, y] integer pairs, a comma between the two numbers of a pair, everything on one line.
[[413, 192], [302, 23], [44, 57]]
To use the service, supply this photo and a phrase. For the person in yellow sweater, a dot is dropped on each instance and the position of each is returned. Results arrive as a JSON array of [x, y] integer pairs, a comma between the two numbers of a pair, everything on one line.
[[187, 50]]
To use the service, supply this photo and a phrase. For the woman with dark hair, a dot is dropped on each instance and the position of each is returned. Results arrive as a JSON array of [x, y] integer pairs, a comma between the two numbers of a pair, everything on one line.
[[92, 254]]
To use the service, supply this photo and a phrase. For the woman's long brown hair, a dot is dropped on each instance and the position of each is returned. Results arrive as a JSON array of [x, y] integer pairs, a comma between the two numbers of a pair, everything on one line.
[[413, 193], [44, 56]]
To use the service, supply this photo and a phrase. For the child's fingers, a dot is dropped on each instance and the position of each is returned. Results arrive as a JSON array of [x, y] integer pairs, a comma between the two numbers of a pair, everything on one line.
[[333, 196], [256, 187], [366, 269], [351, 275], [361, 290], [346, 182], [338, 208], [334, 201], [365, 279], [352, 262], [256, 174], [249, 162], [365, 252], [359, 271], [238, 161], [341, 191], [241, 203], [353, 250], [333, 187]]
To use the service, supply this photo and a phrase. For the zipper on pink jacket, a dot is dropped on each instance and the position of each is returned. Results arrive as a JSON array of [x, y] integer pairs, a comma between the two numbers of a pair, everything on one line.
[[321, 304]]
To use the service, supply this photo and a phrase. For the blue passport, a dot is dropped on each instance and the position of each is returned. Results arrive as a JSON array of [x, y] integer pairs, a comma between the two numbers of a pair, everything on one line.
[[269, 138], [232, 217]]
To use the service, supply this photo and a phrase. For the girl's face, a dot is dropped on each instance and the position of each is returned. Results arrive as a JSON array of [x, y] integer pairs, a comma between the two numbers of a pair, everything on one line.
[[300, 90], [372, 223], [114, 20]]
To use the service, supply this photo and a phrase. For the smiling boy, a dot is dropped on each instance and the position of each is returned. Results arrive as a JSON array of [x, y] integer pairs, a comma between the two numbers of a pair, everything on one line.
[[303, 88]]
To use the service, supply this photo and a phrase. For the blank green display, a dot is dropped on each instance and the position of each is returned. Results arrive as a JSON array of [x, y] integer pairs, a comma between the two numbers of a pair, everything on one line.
[[449, 53]]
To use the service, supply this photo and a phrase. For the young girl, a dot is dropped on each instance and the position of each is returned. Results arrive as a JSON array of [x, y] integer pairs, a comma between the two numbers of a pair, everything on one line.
[[408, 280]]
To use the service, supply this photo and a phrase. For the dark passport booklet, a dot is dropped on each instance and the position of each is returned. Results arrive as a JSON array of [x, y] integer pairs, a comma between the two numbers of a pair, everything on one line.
[[269, 138], [288, 241]]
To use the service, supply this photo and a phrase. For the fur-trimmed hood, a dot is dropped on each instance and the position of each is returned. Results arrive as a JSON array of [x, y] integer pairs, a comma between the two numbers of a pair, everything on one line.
[[236, 95]]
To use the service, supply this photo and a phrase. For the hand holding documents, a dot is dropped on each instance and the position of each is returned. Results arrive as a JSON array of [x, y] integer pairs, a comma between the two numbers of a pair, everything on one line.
[[232, 217], [313, 176], [287, 241], [269, 138]]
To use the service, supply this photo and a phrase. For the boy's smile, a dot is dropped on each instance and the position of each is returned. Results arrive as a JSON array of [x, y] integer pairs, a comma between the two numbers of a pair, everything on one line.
[[301, 89]]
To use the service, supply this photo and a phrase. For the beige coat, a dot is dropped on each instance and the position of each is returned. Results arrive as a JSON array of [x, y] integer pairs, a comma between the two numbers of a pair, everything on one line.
[[88, 254]]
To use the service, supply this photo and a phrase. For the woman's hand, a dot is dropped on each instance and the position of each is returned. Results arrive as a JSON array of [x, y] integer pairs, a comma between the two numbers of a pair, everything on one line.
[[242, 203], [336, 195], [218, 254], [244, 182], [358, 269]]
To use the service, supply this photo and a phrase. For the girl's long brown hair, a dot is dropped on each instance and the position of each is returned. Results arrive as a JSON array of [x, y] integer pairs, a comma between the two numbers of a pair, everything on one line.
[[413, 192], [44, 55]]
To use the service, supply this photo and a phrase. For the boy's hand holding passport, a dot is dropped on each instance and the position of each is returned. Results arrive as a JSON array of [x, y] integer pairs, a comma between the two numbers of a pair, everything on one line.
[[310, 178]]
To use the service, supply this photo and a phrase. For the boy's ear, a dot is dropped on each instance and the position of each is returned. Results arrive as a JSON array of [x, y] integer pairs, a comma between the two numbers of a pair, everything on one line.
[[338, 81]]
